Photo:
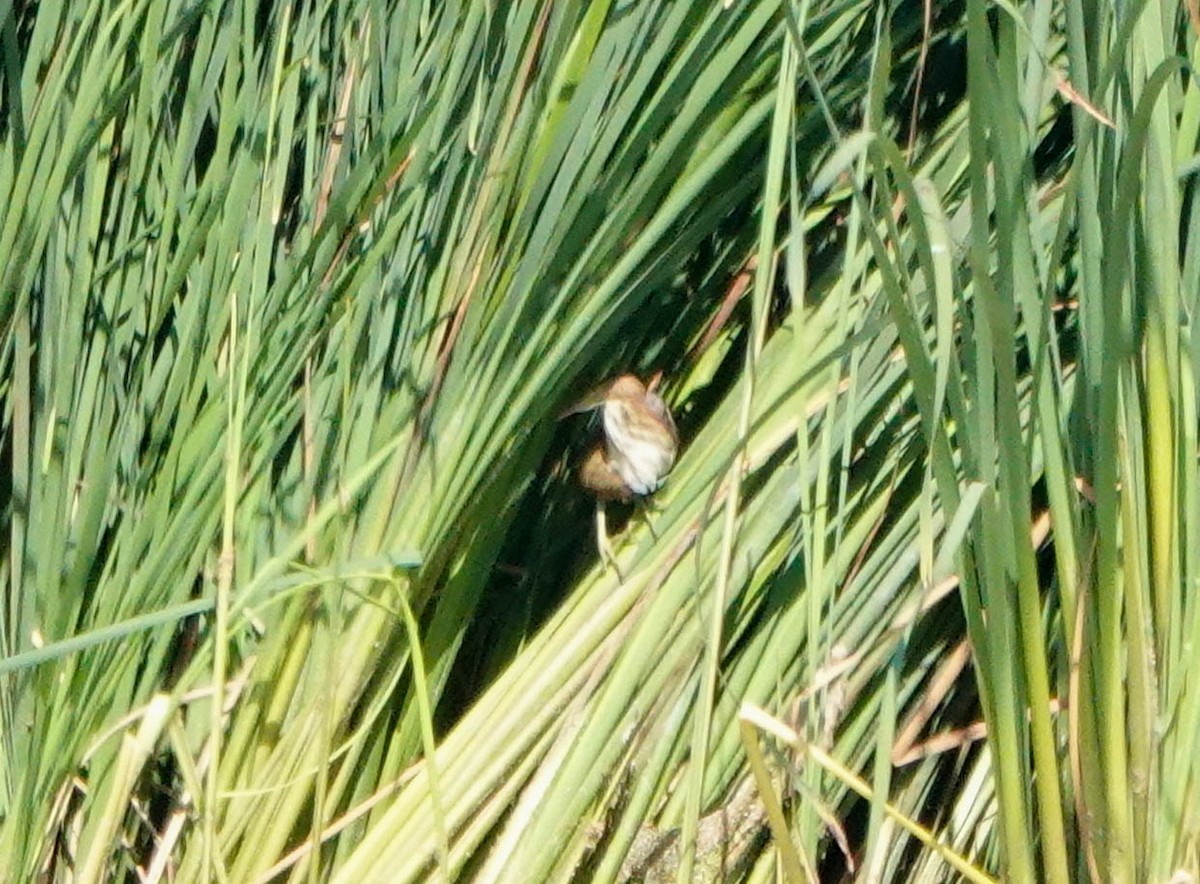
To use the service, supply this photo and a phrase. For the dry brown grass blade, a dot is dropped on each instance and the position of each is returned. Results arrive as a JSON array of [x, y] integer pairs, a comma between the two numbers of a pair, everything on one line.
[[1071, 94]]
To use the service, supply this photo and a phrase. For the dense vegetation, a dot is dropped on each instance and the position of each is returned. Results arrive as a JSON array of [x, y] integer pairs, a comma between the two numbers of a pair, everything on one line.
[[298, 583]]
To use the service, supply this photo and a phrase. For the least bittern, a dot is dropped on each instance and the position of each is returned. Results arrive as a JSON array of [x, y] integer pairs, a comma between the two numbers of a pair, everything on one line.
[[636, 452]]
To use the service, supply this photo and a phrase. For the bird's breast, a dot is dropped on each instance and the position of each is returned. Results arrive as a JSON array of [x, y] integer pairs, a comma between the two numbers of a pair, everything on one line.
[[640, 447]]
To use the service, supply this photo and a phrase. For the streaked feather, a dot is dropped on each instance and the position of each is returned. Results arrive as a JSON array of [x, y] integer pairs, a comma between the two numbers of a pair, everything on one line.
[[640, 443]]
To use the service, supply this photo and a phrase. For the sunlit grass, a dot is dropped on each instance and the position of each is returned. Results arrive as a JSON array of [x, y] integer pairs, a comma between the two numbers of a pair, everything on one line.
[[298, 583]]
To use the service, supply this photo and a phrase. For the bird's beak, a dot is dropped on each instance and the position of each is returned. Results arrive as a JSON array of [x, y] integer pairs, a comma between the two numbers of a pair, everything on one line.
[[593, 399]]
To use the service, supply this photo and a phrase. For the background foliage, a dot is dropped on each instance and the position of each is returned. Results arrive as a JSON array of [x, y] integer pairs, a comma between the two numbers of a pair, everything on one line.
[[296, 580]]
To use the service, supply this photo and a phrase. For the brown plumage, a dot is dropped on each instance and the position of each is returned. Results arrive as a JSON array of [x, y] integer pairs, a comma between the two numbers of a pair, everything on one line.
[[636, 451], [598, 477], [639, 442]]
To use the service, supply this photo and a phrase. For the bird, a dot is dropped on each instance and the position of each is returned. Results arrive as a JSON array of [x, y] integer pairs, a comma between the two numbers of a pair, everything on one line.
[[636, 450]]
